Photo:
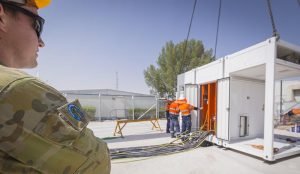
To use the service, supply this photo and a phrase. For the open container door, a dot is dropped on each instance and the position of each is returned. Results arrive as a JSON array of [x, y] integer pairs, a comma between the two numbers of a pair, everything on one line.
[[208, 102], [191, 94], [223, 109]]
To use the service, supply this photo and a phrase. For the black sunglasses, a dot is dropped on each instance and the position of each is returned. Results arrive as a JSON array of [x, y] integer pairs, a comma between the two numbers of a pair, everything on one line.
[[38, 22]]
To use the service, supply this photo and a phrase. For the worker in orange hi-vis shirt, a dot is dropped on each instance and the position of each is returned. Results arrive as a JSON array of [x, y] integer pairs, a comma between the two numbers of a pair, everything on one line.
[[294, 112], [174, 122], [185, 110], [168, 103]]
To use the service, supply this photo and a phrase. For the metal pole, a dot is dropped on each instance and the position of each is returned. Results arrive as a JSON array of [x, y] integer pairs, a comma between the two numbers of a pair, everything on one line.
[[117, 81], [281, 97], [157, 107], [99, 111], [133, 106]]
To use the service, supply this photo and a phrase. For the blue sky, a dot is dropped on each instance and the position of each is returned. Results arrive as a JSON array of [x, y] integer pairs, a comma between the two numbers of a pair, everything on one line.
[[88, 41]]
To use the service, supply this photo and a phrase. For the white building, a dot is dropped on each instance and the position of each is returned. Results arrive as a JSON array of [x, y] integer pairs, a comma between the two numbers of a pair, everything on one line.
[[237, 93], [113, 104]]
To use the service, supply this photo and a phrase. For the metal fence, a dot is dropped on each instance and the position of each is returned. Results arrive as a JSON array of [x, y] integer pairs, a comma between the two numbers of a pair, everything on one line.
[[287, 94], [287, 97]]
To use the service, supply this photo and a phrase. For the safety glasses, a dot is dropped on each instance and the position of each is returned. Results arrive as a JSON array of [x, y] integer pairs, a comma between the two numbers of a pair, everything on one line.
[[38, 22]]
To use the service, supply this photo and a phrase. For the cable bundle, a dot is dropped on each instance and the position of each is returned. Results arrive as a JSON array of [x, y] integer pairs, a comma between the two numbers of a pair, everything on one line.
[[183, 142]]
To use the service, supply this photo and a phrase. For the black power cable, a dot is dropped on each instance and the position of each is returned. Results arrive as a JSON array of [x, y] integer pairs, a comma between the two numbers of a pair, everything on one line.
[[189, 141]]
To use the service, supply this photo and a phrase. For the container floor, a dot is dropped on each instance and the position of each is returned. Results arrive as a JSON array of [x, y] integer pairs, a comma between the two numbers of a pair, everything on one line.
[[283, 146]]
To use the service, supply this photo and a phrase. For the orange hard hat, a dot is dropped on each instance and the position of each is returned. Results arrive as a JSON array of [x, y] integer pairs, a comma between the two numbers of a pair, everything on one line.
[[32, 3]]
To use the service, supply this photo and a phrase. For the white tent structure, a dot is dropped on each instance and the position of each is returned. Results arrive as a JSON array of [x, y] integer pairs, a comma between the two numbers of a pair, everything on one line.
[[237, 96]]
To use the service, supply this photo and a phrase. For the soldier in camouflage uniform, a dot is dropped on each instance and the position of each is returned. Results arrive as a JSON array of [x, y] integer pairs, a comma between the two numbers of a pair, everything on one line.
[[40, 132]]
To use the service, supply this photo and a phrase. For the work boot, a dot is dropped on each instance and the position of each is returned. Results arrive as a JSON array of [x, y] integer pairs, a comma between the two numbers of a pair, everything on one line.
[[172, 135]]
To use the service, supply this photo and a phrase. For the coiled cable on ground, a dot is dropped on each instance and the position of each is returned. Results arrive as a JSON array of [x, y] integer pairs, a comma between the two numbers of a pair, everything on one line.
[[183, 142]]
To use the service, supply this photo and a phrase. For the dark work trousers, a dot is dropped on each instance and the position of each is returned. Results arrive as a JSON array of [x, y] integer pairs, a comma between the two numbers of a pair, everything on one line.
[[186, 124], [174, 124], [168, 121]]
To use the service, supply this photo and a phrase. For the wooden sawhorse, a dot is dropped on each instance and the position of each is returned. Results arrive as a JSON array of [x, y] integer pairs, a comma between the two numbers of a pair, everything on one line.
[[122, 123]]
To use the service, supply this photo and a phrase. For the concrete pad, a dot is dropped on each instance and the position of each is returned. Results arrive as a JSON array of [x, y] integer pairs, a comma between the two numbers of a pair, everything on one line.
[[135, 134], [204, 160]]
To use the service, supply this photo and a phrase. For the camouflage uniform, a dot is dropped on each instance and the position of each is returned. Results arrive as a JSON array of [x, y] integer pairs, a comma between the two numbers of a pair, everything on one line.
[[34, 135]]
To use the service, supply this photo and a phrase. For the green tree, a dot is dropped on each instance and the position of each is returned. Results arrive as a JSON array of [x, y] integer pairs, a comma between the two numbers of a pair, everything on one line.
[[174, 60]]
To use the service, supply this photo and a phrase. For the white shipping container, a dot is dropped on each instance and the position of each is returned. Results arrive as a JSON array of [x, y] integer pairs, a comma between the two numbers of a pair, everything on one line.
[[246, 97]]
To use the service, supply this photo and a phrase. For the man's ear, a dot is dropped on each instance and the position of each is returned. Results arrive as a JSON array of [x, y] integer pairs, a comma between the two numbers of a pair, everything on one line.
[[3, 18]]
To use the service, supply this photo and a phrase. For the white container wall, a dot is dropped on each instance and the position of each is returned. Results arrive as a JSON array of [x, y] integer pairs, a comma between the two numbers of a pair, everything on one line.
[[246, 99], [205, 74], [246, 58]]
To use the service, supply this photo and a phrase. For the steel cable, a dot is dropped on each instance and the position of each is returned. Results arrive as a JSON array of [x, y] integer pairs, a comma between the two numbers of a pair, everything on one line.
[[218, 24], [275, 32], [188, 35]]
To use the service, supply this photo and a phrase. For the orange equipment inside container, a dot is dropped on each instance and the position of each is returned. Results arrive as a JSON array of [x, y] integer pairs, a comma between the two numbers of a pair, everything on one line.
[[208, 101]]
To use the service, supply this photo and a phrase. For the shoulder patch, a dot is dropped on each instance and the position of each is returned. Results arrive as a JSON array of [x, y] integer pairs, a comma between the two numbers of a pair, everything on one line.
[[73, 114]]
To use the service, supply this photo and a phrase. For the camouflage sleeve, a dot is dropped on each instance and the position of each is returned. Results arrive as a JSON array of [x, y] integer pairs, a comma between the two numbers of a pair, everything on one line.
[[34, 138]]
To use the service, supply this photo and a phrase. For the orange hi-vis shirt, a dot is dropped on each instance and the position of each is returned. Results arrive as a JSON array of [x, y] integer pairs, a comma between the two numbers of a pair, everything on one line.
[[296, 111], [174, 108], [185, 109]]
